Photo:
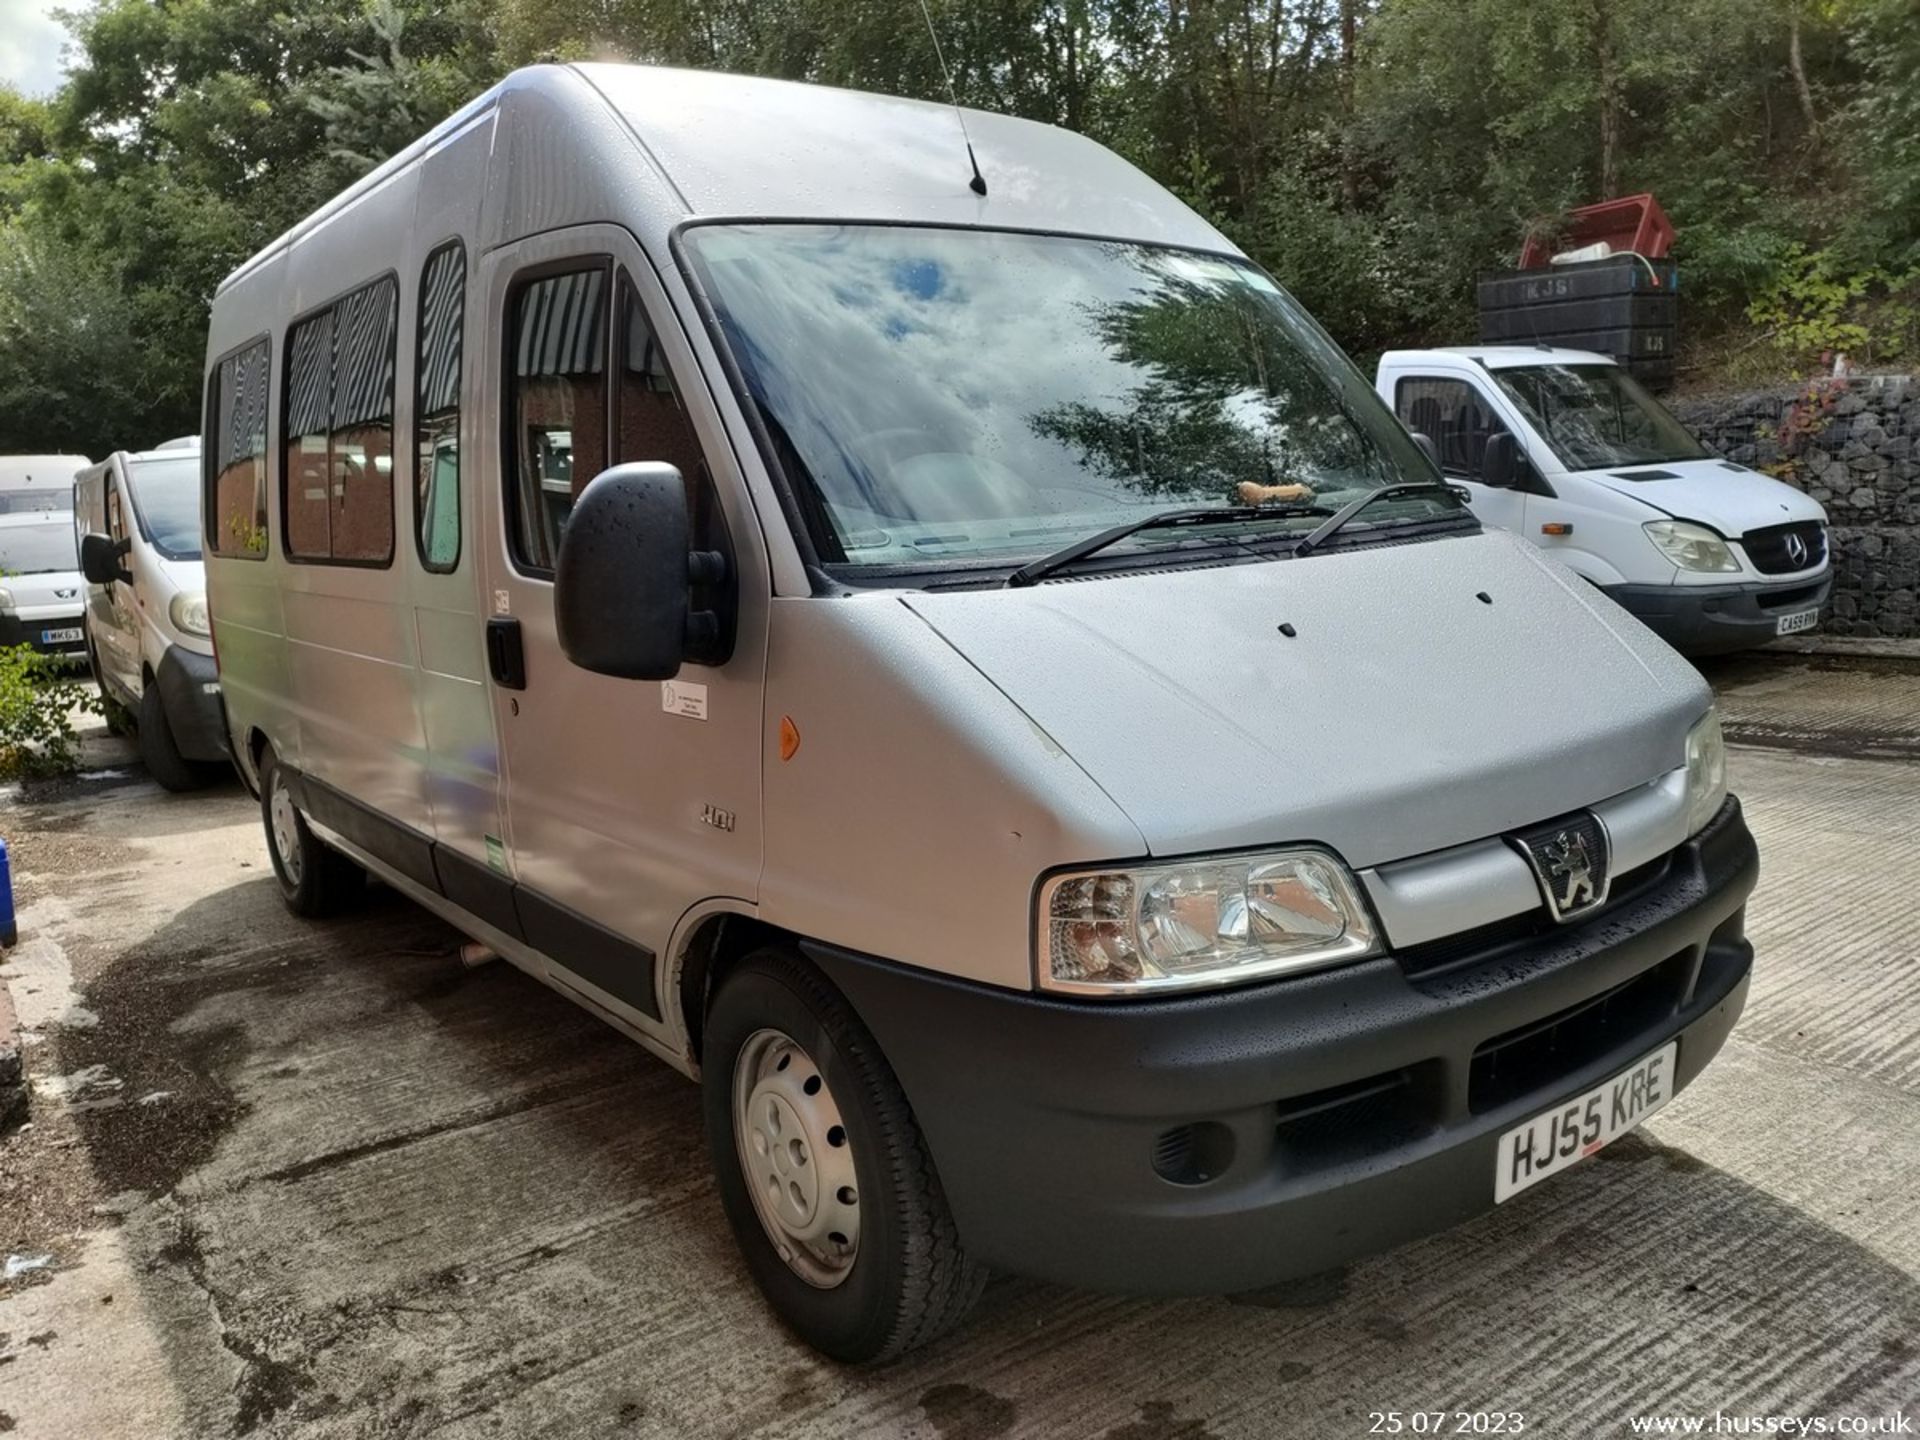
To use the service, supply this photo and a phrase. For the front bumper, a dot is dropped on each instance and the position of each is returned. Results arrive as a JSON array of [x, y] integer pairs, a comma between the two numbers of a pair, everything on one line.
[[1713, 619], [190, 694], [16, 631], [1307, 1121]]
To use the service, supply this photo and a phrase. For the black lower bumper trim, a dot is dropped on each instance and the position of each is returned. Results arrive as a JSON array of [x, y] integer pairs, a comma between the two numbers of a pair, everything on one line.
[[1710, 619], [190, 693], [1231, 1140], [15, 631]]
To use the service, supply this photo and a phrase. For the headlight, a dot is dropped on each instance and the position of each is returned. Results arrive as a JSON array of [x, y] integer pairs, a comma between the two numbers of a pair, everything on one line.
[[1211, 921], [1706, 772], [1690, 546], [189, 612]]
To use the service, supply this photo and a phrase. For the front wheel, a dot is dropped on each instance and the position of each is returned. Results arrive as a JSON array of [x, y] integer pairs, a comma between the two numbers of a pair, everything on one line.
[[315, 879], [823, 1172]]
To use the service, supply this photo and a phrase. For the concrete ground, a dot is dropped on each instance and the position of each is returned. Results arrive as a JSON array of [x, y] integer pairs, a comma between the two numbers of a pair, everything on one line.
[[319, 1180]]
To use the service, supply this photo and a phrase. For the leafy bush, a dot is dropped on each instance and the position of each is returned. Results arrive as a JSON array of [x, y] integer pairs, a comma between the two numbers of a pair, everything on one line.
[[39, 696], [1815, 305]]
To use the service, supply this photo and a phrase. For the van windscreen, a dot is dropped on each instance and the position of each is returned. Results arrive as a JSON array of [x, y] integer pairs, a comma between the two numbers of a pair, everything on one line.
[[1597, 416], [38, 547], [946, 398], [166, 493]]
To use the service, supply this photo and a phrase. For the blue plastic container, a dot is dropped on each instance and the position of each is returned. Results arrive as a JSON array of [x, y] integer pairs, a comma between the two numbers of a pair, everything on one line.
[[9, 930]]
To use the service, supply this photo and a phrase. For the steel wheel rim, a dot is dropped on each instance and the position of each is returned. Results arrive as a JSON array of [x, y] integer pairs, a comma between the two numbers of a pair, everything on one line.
[[796, 1158], [285, 828]]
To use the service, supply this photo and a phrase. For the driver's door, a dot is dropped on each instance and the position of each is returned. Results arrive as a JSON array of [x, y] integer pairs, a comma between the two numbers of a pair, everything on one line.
[[1459, 419], [626, 801]]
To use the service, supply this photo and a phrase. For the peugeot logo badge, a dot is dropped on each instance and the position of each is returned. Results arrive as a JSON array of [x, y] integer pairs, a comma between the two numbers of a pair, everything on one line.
[[66, 594], [1797, 552], [1570, 861]]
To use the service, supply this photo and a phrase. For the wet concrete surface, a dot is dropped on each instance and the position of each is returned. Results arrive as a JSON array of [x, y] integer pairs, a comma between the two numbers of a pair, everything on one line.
[[321, 1181]]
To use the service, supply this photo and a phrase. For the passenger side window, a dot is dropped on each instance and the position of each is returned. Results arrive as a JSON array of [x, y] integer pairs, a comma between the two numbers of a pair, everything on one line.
[[337, 429], [558, 407], [236, 462], [436, 458], [116, 518], [1453, 415], [652, 421]]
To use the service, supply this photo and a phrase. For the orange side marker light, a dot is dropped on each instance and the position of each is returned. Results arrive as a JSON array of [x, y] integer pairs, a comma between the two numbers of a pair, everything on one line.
[[789, 737], [1557, 527]]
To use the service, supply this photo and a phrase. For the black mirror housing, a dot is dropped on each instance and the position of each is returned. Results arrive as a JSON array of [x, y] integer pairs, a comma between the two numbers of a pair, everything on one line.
[[622, 586], [1500, 461], [100, 557]]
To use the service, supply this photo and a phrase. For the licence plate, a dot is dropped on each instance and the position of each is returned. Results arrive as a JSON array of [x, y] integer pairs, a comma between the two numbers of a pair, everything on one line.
[[1793, 624], [1567, 1134], [66, 635]]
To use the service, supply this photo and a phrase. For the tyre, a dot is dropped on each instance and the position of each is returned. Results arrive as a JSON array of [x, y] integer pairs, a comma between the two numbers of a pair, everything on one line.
[[163, 758], [822, 1169], [315, 879]]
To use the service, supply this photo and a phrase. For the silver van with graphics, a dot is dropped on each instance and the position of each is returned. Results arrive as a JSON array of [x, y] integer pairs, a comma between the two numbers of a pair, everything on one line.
[[962, 665]]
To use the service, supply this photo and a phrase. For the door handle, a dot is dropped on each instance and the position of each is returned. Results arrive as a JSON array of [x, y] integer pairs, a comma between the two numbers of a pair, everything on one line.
[[506, 657]]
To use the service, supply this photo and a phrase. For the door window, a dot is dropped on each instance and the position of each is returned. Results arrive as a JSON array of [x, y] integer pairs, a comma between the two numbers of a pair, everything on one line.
[[1452, 414], [558, 406], [652, 421], [436, 478]]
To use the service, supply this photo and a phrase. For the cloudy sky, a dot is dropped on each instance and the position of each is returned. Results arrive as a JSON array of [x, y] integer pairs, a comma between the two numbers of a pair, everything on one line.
[[30, 41]]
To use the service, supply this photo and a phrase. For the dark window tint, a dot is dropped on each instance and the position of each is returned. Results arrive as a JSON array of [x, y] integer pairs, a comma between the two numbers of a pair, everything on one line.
[[237, 455], [558, 409], [436, 463], [337, 467], [1453, 415]]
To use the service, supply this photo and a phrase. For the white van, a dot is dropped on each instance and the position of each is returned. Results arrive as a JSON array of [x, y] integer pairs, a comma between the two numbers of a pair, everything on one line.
[[39, 564], [967, 669], [1566, 448], [148, 639]]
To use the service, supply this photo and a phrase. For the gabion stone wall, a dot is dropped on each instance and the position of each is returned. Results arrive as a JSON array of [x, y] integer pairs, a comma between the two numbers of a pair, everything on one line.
[[1854, 445]]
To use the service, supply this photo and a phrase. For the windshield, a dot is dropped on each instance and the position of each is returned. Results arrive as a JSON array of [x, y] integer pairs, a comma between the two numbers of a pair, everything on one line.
[[166, 493], [38, 547], [40, 500], [1596, 417], [944, 396]]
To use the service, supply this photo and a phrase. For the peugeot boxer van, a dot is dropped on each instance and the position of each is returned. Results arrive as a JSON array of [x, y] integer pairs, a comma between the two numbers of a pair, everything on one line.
[[148, 640], [962, 665], [1565, 448], [39, 565]]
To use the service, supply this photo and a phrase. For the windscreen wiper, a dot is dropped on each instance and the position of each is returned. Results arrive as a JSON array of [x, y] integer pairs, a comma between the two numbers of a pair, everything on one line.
[[1323, 532], [1038, 570]]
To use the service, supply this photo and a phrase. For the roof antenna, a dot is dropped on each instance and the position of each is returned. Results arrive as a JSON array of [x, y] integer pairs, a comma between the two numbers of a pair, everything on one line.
[[979, 182]]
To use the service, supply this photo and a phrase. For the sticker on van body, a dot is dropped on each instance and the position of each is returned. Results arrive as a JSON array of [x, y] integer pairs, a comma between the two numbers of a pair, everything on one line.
[[682, 698]]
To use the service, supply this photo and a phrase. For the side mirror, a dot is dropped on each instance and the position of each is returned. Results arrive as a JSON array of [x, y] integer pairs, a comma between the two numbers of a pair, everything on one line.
[[622, 589], [1500, 461], [1427, 447], [100, 557]]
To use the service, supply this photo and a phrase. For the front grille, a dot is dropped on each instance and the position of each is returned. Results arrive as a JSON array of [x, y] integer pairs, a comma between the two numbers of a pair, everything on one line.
[[1357, 1120], [1497, 938], [1539, 1056], [1769, 548]]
